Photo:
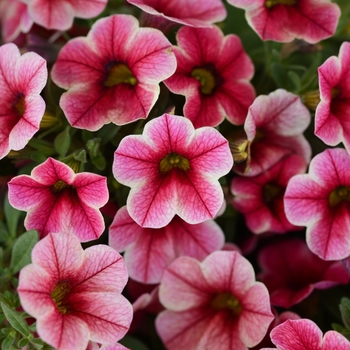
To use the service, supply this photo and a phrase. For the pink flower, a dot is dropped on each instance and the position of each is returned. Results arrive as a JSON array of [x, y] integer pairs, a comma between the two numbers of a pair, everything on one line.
[[304, 334], [113, 74], [320, 201], [149, 251], [21, 107], [95, 346], [14, 19], [216, 304], [291, 272], [260, 198], [284, 20], [186, 12], [172, 169], [274, 128], [60, 14], [75, 295], [331, 118], [58, 200], [214, 78]]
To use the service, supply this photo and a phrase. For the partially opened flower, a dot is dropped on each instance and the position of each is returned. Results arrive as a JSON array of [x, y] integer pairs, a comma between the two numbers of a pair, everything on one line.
[[216, 304], [58, 200], [113, 74], [22, 78], [213, 77], [172, 169], [291, 272], [304, 334], [260, 198], [331, 117], [274, 126], [60, 14], [14, 19], [149, 251], [75, 295], [191, 13], [284, 20], [320, 200]]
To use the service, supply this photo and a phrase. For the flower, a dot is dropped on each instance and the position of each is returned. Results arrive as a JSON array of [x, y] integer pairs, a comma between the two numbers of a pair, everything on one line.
[[214, 78], [172, 169], [113, 74], [149, 251], [274, 127], [285, 20], [21, 107], [75, 295], [331, 121], [216, 304], [304, 334], [60, 14], [185, 12], [291, 272], [58, 200], [319, 200], [260, 198]]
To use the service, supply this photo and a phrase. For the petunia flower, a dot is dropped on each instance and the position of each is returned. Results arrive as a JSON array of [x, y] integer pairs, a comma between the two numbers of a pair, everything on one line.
[[14, 19], [213, 77], [149, 251], [216, 304], [260, 198], [274, 126], [75, 295], [191, 13], [320, 200], [22, 78], [95, 346], [113, 74], [172, 169], [58, 200], [60, 14], [331, 117], [285, 20], [291, 272], [304, 334]]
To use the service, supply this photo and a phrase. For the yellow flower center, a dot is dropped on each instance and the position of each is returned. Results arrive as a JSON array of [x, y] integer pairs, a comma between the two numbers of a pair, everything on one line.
[[340, 194], [19, 105], [227, 301], [271, 3], [119, 73], [59, 186], [207, 79], [59, 294], [173, 160]]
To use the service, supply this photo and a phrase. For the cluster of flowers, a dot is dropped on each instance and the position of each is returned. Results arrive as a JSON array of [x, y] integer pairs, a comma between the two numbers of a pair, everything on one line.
[[181, 171]]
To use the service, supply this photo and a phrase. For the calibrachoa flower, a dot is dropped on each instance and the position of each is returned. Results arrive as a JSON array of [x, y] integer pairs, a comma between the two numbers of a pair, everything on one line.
[[116, 346], [304, 334], [58, 200], [216, 304], [14, 19], [113, 74], [284, 20], [60, 14], [319, 200], [21, 107], [149, 251], [291, 272], [260, 198], [331, 118], [274, 127], [191, 13], [75, 295], [172, 169], [213, 77]]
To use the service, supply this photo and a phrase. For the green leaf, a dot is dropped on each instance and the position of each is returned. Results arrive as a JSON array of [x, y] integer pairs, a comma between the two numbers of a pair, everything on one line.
[[37, 343], [345, 311], [22, 249], [295, 80], [62, 142], [12, 216], [23, 342], [99, 162], [8, 341], [16, 320], [133, 343], [80, 156], [107, 132]]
